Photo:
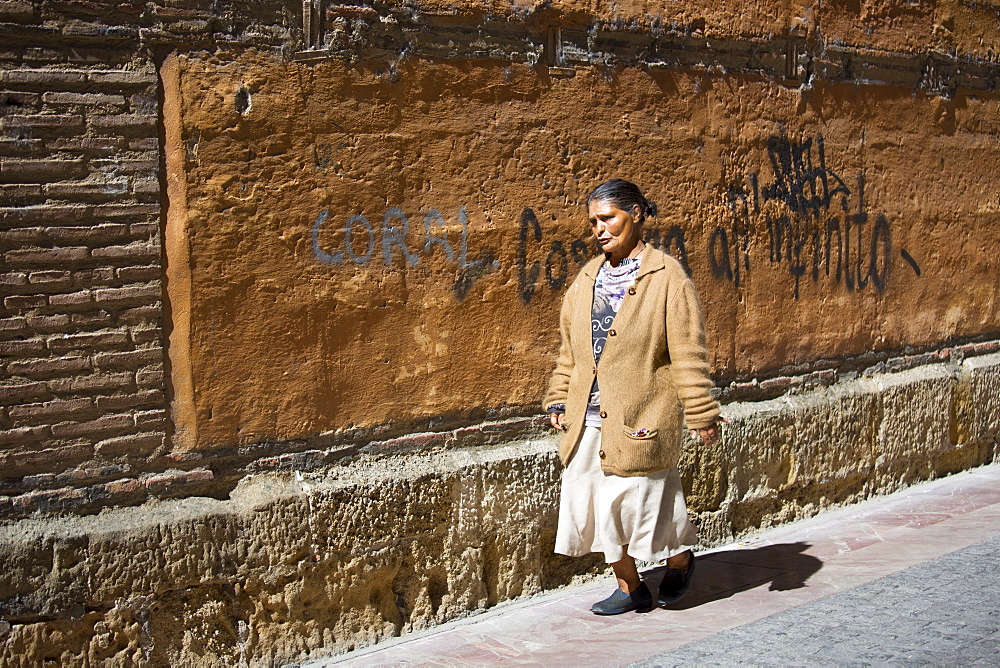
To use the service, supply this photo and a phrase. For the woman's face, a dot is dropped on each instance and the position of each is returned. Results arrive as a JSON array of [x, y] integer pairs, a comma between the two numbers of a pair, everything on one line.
[[616, 230]]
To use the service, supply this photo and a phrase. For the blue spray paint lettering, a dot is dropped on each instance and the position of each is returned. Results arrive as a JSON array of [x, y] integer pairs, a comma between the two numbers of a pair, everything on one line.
[[396, 236], [349, 239], [434, 216], [393, 235], [322, 255]]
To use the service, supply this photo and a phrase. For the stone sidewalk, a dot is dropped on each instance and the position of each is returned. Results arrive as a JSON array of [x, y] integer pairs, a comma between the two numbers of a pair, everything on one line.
[[944, 612], [909, 578]]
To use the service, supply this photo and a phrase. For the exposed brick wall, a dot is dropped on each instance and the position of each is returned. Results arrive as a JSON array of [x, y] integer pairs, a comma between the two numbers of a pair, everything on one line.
[[83, 413], [82, 317]]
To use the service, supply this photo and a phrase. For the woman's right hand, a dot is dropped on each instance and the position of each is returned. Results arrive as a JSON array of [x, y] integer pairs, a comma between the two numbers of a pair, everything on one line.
[[556, 420]]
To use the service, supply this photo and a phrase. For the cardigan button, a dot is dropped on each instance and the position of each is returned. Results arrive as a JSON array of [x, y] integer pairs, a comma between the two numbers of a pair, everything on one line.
[[612, 332], [631, 291], [601, 454], [604, 414]]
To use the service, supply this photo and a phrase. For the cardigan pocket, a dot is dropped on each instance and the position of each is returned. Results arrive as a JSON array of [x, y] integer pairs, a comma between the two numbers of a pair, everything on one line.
[[642, 451], [640, 434]]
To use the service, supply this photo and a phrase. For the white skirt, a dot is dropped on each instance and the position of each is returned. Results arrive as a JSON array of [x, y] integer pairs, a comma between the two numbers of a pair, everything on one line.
[[600, 512]]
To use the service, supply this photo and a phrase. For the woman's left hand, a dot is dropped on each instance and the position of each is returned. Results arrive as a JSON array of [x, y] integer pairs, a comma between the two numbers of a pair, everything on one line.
[[709, 435]]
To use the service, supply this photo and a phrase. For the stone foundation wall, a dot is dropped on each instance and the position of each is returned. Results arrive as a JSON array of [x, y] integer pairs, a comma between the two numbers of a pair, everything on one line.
[[312, 563]]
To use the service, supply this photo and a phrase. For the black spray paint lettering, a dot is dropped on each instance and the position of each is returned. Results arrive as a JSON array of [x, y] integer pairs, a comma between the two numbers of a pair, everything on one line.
[[556, 266], [322, 156], [394, 231], [671, 243], [809, 190], [325, 155], [527, 277], [806, 188]]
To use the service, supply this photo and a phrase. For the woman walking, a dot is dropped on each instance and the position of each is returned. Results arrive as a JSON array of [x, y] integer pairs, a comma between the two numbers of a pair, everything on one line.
[[632, 364]]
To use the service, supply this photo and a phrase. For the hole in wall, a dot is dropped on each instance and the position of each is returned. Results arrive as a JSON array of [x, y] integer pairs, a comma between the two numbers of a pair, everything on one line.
[[244, 103]]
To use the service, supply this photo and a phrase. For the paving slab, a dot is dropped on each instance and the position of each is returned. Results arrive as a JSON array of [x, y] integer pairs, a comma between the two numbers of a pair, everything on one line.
[[943, 612], [907, 577]]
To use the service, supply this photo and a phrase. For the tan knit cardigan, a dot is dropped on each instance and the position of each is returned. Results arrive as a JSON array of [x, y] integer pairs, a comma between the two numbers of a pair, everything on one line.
[[654, 369]]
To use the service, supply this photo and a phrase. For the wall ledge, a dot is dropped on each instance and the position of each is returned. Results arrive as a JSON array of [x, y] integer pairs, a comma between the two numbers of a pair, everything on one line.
[[216, 474]]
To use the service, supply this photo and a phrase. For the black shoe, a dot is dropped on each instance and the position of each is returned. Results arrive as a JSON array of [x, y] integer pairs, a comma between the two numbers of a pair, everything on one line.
[[620, 602], [675, 583]]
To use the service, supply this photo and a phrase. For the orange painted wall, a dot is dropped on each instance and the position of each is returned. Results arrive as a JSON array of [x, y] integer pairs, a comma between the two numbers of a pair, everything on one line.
[[444, 302]]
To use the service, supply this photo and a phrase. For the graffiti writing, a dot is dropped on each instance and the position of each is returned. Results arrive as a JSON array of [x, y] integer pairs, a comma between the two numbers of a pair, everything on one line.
[[323, 156], [392, 243], [817, 226], [362, 243], [556, 265], [556, 262]]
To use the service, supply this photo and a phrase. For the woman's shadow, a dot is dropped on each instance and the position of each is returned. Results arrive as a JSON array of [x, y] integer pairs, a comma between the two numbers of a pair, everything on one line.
[[719, 575]]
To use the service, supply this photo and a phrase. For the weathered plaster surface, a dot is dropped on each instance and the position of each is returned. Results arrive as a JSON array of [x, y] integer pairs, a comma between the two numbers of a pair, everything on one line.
[[178, 270], [341, 559], [817, 224]]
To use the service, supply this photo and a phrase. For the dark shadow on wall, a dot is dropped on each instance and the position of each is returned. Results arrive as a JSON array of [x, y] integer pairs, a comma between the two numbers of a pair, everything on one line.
[[781, 567]]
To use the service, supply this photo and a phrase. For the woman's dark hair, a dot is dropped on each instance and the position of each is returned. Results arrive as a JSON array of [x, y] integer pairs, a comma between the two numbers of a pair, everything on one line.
[[625, 195]]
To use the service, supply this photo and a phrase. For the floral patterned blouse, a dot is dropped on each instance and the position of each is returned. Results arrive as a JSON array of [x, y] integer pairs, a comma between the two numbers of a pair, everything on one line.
[[609, 291]]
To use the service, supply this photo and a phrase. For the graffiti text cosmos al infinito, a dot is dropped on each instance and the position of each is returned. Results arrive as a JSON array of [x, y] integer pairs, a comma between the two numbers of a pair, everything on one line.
[[817, 225]]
